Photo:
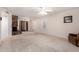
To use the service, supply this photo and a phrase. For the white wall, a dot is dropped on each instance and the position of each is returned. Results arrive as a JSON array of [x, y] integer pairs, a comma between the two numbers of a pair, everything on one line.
[[9, 25], [0, 29], [4, 27], [54, 24], [6, 24], [37, 25]]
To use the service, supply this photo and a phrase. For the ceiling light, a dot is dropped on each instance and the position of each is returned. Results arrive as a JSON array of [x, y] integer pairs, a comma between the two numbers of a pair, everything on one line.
[[45, 9], [42, 13]]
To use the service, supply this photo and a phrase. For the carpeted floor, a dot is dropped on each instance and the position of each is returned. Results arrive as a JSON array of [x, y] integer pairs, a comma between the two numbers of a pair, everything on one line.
[[35, 42]]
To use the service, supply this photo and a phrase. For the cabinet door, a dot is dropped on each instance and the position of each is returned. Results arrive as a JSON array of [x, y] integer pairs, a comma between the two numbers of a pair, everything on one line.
[[14, 21]]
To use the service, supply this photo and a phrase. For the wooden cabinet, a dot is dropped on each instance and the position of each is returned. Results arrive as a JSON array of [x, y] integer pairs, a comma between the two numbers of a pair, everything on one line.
[[74, 39], [15, 30], [14, 21]]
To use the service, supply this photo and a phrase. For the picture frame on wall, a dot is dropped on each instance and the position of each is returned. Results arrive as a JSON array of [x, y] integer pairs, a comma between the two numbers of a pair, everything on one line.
[[68, 19]]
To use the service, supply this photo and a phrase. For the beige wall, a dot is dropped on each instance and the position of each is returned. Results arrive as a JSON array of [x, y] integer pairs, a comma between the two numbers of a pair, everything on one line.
[[54, 24], [30, 25]]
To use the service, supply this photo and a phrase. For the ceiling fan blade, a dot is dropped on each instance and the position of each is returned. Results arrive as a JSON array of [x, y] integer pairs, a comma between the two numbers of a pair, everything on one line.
[[48, 10]]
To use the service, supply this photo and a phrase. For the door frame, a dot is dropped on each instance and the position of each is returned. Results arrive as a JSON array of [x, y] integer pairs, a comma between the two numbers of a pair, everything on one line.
[[26, 24]]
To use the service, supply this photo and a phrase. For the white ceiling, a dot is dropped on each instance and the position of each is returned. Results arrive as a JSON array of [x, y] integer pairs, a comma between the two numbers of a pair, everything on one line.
[[33, 11]]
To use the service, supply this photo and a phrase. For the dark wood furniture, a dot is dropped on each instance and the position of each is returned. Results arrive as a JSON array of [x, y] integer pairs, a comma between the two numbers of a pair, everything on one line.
[[15, 30], [14, 21], [74, 39]]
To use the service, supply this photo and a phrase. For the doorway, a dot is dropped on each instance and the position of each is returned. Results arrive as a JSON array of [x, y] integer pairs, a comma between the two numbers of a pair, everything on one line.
[[24, 25]]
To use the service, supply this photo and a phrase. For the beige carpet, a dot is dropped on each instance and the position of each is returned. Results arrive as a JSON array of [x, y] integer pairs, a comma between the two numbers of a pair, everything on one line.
[[34, 42]]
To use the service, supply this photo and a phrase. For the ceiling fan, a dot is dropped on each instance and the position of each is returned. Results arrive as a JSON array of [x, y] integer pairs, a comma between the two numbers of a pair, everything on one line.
[[43, 10]]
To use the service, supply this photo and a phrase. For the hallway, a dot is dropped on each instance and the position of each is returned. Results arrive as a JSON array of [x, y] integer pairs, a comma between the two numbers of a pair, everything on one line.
[[35, 42]]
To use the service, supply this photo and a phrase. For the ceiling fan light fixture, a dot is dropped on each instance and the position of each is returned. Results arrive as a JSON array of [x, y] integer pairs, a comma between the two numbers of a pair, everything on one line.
[[42, 13]]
